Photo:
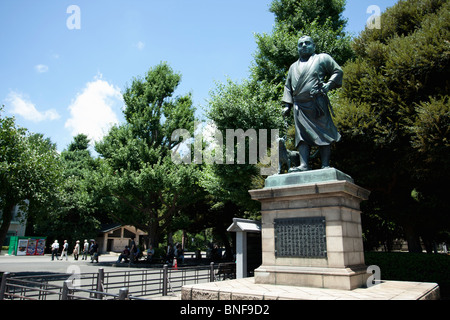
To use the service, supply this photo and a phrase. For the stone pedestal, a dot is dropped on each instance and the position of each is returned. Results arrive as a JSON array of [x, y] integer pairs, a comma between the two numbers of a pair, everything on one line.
[[311, 230]]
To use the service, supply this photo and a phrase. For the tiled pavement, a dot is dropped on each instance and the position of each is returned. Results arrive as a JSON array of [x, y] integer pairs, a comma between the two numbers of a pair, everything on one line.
[[246, 289]]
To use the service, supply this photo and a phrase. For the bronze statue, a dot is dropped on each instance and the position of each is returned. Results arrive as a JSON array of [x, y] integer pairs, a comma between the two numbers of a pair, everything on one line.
[[308, 81]]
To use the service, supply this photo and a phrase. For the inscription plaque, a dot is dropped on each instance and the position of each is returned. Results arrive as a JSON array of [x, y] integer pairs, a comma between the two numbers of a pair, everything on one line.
[[300, 237]]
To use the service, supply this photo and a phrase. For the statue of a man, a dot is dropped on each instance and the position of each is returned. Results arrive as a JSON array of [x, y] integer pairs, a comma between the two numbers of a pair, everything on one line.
[[308, 81]]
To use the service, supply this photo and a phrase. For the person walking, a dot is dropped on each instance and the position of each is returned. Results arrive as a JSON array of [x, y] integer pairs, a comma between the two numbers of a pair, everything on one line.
[[65, 249], [133, 251], [94, 251], [55, 248], [76, 250], [85, 249]]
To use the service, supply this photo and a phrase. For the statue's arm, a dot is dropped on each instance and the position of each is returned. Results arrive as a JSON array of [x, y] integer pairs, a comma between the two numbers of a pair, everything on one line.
[[335, 74], [288, 94]]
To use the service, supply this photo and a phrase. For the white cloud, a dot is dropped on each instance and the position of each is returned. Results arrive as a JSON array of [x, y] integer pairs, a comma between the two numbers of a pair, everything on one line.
[[92, 111], [140, 45], [41, 68], [25, 108]]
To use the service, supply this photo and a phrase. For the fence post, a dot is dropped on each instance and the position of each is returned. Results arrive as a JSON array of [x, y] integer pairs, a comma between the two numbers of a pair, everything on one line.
[[123, 294], [211, 272], [65, 290], [100, 281], [3, 285], [165, 279]]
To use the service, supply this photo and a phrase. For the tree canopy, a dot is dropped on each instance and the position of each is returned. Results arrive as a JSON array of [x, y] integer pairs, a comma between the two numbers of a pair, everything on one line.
[[320, 19], [29, 171], [76, 202], [393, 113], [141, 184]]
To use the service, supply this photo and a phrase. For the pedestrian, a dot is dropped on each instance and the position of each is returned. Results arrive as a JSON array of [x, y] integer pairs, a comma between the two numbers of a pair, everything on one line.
[[150, 253], [133, 251], [55, 248], [65, 249], [94, 251], [179, 253], [124, 255], [85, 250], [170, 253], [76, 250]]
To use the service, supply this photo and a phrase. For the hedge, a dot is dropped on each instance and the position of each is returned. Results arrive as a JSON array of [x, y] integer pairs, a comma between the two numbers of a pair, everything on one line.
[[417, 267]]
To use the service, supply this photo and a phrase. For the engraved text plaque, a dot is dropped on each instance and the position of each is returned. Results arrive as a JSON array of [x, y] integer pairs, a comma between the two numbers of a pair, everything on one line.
[[300, 237]]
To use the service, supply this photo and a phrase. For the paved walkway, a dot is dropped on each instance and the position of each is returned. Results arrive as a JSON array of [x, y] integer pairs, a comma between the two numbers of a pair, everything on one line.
[[230, 289], [45, 264], [246, 289]]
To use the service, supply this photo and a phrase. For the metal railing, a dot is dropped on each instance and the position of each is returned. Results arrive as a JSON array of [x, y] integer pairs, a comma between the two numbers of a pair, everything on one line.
[[119, 285]]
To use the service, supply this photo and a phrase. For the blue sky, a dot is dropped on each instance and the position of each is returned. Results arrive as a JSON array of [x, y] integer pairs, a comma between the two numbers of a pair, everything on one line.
[[60, 81]]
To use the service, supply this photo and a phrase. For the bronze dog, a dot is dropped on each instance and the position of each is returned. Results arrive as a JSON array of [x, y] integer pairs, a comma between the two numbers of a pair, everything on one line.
[[287, 158]]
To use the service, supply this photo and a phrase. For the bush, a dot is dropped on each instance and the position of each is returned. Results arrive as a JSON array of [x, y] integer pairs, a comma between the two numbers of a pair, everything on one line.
[[417, 267]]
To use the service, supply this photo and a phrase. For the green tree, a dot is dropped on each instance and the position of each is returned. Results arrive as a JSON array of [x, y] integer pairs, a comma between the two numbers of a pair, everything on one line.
[[76, 203], [245, 106], [320, 19], [29, 170], [142, 185], [393, 113], [256, 103]]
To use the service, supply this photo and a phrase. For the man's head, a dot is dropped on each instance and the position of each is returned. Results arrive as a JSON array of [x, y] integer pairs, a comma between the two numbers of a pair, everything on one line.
[[306, 47]]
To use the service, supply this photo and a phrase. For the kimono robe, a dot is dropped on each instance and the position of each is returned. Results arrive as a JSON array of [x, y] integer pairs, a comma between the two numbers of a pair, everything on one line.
[[313, 122]]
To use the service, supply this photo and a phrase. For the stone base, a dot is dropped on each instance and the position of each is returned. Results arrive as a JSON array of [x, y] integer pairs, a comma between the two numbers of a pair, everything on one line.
[[306, 177], [247, 289], [333, 278], [326, 194]]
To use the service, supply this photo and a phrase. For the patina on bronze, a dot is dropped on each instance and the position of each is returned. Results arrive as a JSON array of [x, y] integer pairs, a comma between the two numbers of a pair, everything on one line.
[[307, 84]]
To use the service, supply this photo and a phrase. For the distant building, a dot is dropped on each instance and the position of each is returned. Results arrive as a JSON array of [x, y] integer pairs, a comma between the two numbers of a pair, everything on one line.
[[114, 237], [17, 226]]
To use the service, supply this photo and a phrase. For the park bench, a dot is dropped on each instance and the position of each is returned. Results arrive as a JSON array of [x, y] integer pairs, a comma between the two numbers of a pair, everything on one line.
[[226, 270]]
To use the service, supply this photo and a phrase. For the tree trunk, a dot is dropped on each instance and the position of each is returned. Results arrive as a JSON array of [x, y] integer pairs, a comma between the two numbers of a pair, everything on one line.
[[153, 235], [183, 240], [413, 239]]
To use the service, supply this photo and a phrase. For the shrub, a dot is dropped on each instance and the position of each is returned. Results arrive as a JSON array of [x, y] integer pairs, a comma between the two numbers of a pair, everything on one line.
[[416, 267]]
